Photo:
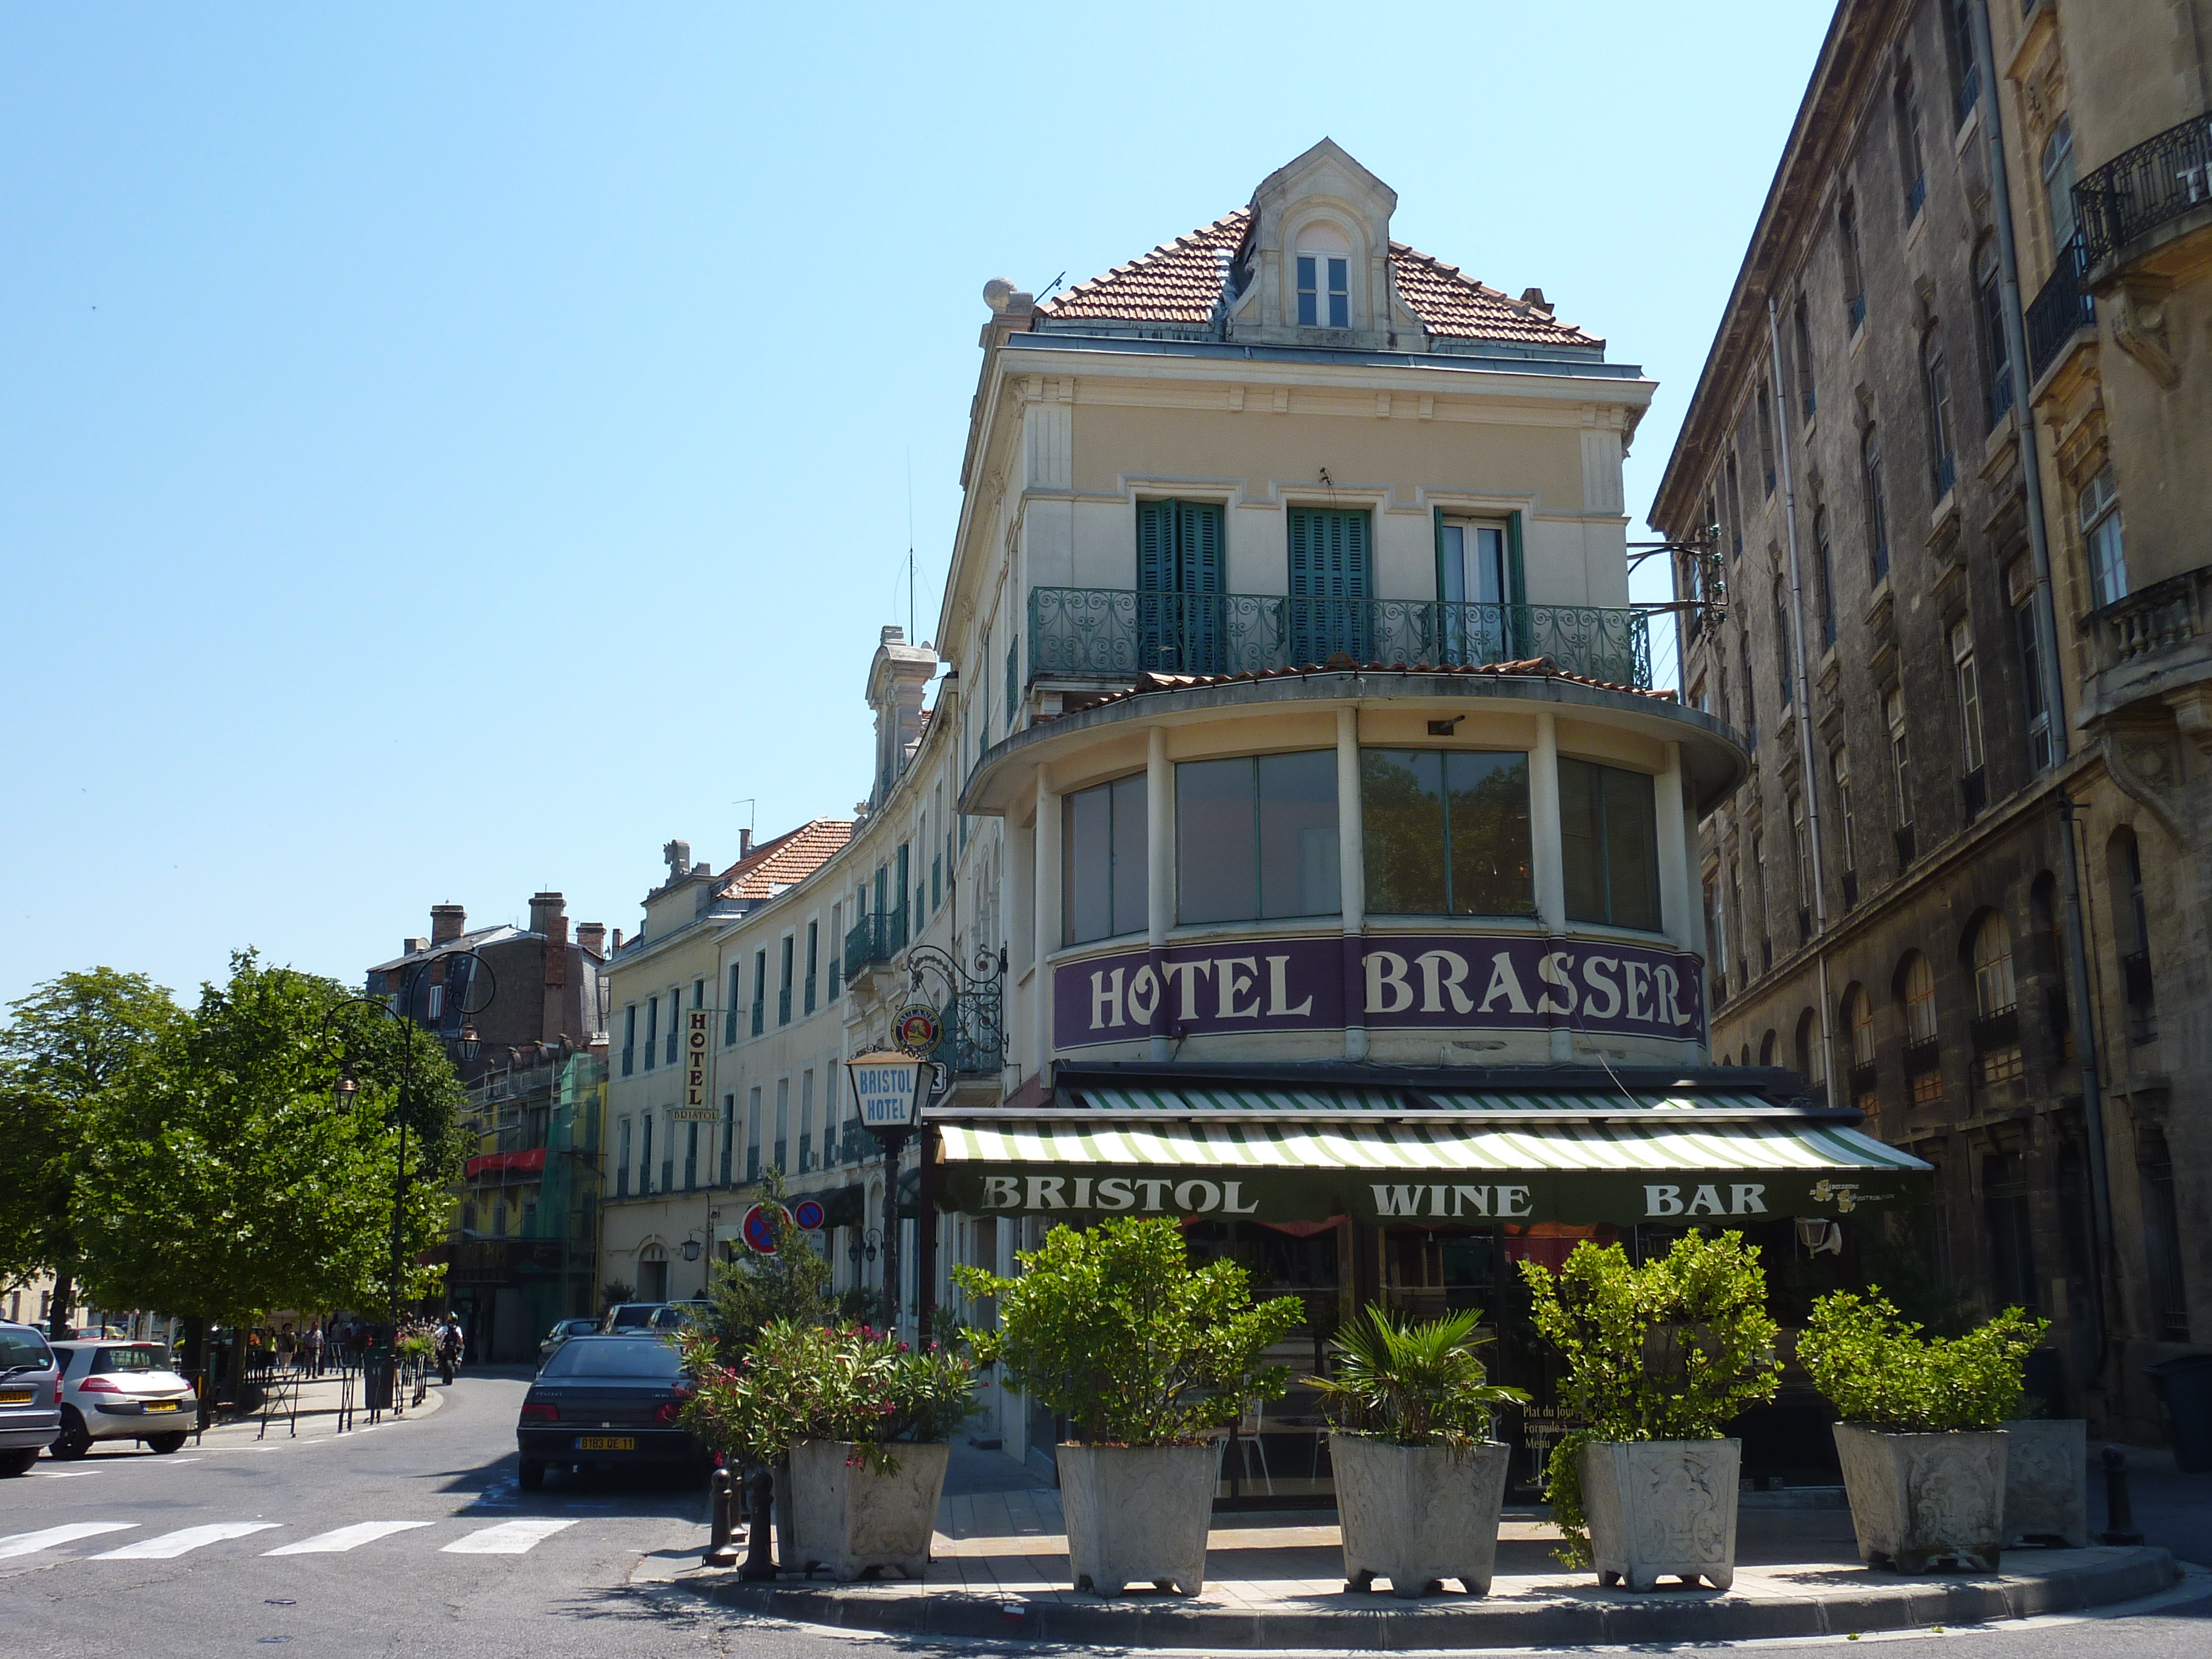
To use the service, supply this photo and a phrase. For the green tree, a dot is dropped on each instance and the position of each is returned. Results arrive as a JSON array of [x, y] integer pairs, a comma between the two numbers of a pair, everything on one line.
[[237, 1177], [755, 1291], [74, 1044]]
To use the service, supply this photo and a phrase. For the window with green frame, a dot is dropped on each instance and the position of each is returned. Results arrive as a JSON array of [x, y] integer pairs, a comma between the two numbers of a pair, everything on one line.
[[1446, 832], [1609, 844], [1180, 560]]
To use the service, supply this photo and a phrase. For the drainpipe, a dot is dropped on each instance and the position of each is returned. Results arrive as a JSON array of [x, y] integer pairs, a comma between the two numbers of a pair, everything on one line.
[[1811, 793], [2054, 688]]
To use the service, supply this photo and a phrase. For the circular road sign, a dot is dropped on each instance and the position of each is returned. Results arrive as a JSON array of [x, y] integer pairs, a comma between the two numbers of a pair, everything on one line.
[[916, 1029], [759, 1230], [809, 1214]]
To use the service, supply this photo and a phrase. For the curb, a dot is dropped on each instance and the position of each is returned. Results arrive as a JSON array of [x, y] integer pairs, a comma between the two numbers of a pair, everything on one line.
[[2127, 1575]]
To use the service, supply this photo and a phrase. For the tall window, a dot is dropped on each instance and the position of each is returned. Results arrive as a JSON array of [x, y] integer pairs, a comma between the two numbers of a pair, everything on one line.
[[782, 1123], [1102, 860], [1324, 274], [1446, 832], [1735, 507], [1825, 569], [1765, 929], [1329, 554], [1801, 844], [813, 962], [1936, 381], [1782, 639], [1847, 247], [1911, 170], [622, 1158], [730, 1008], [1996, 347], [645, 1155], [1967, 680], [1859, 1013], [2102, 535], [1750, 692], [629, 1038], [1839, 768], [1180, 621], [1609, 843], [1255, 837], [784, 952], [1900, 760], [1877, 515], [806, 1119], [2058, 186], [652, 1030], [1766, 436], [1966, 72], [1997, 1054], [760, 992], [836, 970], [753, 1133], [1802, 327], [1920, 1030], [2029, 641]]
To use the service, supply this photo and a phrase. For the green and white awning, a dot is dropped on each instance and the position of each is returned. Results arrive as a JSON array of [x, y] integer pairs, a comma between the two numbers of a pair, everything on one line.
[[1382, 1154]]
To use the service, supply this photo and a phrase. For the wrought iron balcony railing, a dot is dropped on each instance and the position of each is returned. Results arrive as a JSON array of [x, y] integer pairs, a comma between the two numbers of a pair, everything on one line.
[[2140, 191], [1117, 634], [2062, 310], [874, 939]]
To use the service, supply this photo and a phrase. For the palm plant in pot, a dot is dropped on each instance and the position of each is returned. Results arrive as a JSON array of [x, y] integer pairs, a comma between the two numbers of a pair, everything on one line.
[[1921, 1440], [1147, 1356], [1419, 1482], [1658, 1358]]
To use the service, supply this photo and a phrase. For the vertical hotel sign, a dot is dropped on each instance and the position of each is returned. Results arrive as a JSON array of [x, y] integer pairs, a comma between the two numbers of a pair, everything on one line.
[[697, 1108]]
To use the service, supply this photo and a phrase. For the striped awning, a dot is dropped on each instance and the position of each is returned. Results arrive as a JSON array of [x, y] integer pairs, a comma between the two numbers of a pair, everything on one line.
[[1384, 1154]]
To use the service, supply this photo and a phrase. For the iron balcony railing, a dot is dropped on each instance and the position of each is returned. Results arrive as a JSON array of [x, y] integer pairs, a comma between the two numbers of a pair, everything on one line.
[[1100, 633], [2140, 190], [874, 939], [1993, 1033], [2062, 310]]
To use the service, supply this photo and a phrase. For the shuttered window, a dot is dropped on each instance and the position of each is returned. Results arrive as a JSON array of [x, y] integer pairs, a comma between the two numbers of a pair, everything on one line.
[[1330, 555], [1180, 562]]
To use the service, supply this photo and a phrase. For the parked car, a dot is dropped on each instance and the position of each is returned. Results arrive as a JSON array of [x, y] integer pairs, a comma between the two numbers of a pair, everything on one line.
[[607, 1401], [30, 1405], [561, 1331], [630, 1316], [678, 1315], [121, 1391]]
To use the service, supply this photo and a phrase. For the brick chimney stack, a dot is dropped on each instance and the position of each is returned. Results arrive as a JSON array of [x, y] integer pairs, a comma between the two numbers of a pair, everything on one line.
[[448, 922], [745, 842], [592, 936], [548, 916]]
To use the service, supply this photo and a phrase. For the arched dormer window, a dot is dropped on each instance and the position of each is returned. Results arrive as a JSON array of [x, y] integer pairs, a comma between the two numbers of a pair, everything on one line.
[[1322, 265]]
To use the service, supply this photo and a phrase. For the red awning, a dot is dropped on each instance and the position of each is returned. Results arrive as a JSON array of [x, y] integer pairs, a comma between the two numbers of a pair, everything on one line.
[[503, 1163]]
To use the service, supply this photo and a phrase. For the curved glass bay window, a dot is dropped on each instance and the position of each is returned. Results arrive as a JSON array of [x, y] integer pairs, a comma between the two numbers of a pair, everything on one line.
[[1255, 837], [1102, 860], [1609, 844], [1446, 831]]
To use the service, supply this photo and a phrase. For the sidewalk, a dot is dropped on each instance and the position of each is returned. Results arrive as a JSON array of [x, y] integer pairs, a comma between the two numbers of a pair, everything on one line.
[[317, 1418], [998, 1567], [2170, 1508]]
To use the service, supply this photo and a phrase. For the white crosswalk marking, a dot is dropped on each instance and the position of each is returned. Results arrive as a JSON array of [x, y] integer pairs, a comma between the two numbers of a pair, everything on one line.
[[172, 1544], [30, 1543], [345, 1537], [508, 1538]]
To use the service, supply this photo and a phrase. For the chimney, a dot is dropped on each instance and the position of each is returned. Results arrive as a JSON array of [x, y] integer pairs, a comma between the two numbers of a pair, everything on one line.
[[745, 843], [592, 936], [412, 946], [448, 922], [549, 915], [617, 938]]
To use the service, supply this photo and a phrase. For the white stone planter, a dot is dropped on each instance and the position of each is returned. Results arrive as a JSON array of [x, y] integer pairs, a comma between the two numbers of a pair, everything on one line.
[[1658, 1508], [2047, 1480], [1917, 1500], [852, 1521], [1418, 1514], [1138, 1514]]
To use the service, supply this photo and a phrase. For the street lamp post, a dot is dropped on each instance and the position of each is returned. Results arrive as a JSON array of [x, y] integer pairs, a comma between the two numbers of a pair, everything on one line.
[[887, 1094], [466, 1043]]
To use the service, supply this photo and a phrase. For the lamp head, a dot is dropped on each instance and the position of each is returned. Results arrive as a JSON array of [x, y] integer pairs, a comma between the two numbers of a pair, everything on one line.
[[468, 1043]]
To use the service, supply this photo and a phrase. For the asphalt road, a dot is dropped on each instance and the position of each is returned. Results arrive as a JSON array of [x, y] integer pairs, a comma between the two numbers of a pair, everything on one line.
[[422, 1544]]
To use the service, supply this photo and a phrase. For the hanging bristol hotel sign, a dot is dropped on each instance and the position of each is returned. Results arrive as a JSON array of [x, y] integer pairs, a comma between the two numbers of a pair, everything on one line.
[[696, 1106], [1461, 981]]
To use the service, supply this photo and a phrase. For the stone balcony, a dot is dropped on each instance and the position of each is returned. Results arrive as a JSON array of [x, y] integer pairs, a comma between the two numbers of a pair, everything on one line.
[[2149, 646]]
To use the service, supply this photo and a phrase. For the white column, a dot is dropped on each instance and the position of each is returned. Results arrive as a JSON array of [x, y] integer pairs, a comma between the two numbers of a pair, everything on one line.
[[1543, 849], [1677, 881], [1352, 878], [1159, 850], [1045, 935]]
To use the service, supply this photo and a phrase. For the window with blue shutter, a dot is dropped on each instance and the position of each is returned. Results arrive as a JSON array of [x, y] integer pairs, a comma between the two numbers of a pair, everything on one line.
[[1179, 602], [1329, 579]]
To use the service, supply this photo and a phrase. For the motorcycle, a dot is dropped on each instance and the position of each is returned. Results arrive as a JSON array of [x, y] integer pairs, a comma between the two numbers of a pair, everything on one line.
[[448, 1357]]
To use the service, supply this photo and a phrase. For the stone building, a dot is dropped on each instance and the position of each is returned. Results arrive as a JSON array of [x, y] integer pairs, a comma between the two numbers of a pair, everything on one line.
[[1966, 662]]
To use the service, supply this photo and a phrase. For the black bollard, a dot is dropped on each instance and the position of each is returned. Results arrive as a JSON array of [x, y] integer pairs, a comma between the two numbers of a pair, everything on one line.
[[2119, 1509], [720, 1553], [760, 1549]]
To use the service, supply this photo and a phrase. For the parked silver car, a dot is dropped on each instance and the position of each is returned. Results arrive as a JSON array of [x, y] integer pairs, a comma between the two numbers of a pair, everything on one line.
[[630, 1316], [30, 1404], [121, 1391], [561, 1331]]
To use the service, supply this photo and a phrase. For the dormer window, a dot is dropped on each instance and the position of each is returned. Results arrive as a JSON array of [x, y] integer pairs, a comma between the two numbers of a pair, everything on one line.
[[1324, 273]]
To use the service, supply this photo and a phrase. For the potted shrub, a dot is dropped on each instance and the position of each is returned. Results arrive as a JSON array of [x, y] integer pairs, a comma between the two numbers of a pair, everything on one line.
[[1419, 1482], [1658, 1358], [1922, 1442], [1147, 1356], [861, 1425]]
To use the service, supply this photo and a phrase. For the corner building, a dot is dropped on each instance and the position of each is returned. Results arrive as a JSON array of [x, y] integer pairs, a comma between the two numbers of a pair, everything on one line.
[[1313, 785]]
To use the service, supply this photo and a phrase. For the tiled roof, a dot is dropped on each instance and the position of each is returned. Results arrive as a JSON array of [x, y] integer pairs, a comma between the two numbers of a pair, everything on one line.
[[789, 859], [1181, 281], [1533, 667]]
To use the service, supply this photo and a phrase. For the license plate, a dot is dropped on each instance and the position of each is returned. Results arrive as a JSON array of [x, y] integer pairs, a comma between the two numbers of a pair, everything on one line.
[[160, 1405], [606, 1442], [14, 1396]]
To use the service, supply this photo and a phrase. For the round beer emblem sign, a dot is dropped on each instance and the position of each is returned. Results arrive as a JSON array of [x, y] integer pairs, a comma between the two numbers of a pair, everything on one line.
[[759, 1231], [916, 1029], [809, 1215]]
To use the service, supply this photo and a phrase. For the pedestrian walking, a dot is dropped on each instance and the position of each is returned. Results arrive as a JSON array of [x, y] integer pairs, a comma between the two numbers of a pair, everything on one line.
[[314, 1349]]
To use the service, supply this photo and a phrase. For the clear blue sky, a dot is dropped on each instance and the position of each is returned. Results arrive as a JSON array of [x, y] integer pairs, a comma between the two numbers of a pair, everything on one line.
[[446, 452]]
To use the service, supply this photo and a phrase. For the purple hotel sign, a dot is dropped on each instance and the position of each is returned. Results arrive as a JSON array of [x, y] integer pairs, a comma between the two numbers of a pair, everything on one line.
[[1451, 981]]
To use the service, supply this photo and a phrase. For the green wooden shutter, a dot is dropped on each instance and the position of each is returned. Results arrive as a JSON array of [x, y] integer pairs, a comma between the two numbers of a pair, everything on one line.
[[1199, 563], [1156, 644], [1328, 584], [1520, 629]]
